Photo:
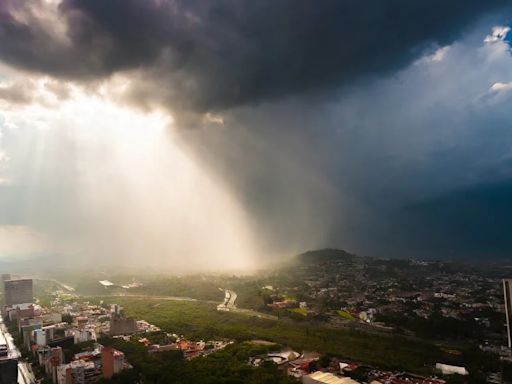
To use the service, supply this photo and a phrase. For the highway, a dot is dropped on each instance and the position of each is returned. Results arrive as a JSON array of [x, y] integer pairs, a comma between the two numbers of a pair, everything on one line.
[[229, 300]]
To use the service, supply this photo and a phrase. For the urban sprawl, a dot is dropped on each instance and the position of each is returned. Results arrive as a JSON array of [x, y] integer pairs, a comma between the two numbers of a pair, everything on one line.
[[66, 340]]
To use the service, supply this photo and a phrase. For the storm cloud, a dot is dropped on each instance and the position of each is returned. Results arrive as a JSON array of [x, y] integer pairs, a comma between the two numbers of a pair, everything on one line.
[[376, 126], [204, 56]]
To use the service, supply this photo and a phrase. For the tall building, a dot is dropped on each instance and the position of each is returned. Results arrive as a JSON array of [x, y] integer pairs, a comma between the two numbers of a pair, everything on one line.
[[112, 361], [40, 337], [122, 325], [8, 371], [18, 291], [55, 358], [3, 278], [507, 293], [8, 363]]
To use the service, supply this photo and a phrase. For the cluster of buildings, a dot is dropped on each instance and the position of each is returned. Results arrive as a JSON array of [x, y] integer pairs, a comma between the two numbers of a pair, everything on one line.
[[49, 333], [44, 333], [305, 367], [355, 292], [302, 366], [190, 349], [385, 377], [88, 323], [292, 363], [367, 290], [85, 367], [109, 284], [320, 377], [17, 304]]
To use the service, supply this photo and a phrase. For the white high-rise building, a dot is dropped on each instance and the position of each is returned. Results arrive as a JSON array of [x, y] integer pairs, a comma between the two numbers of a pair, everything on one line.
[[40, 336], [507, 293]]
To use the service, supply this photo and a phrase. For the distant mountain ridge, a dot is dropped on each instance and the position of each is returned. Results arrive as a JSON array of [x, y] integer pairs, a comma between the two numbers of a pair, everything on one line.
[[326, 255]]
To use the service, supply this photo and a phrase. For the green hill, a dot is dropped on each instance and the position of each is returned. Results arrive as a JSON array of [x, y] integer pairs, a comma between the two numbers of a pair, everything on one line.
[[326, 255]]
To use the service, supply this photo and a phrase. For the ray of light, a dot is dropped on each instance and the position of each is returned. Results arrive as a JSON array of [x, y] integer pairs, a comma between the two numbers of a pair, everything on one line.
[[110, 184]]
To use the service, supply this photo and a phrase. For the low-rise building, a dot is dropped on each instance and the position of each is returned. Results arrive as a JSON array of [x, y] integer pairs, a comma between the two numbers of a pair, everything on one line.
[[326, 378]]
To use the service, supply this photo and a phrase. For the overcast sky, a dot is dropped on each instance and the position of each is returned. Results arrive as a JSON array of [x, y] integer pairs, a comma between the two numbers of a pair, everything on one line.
[[200, 134]]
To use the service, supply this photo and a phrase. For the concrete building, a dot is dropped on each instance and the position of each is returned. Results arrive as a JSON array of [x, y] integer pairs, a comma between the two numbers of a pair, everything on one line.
[[81, 335], [21, 311], [78, 372], [40, 337], [62, 374], [65, 342], [81, 321], [18, 291], [115, 309], [26, 332], [451, 369], [122, 326], [8, 371], [5, 277], [54, 359], [53, 318], [326, 378], [43, 354], [8, 362], [507, 293], [112, 361]]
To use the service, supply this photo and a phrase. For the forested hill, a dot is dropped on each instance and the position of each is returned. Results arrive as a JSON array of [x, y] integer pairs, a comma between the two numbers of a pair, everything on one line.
[[339, 256], [326, 255]]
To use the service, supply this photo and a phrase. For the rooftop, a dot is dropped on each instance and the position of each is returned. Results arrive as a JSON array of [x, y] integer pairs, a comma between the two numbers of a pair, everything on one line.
[[328, 378]]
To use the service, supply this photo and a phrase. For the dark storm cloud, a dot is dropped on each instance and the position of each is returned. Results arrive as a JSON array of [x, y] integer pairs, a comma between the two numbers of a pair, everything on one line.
[[322, 169], [469, 222], [212, 55], [339, 173]]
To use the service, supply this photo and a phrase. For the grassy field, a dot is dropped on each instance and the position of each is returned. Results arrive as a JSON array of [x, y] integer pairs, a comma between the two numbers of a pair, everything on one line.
[[299, 311], [346, 315], [202, 320]]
